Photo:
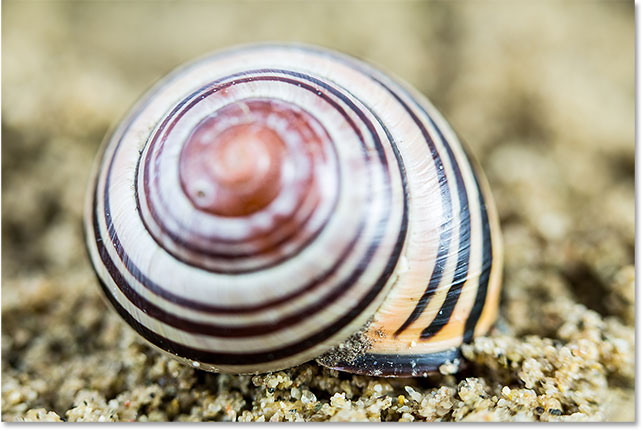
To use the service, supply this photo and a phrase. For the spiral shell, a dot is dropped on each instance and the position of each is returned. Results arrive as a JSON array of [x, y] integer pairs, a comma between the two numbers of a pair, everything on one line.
[[272, 204]]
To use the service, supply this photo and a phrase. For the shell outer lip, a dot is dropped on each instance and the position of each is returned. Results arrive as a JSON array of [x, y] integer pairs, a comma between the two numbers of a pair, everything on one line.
[[392, 365]]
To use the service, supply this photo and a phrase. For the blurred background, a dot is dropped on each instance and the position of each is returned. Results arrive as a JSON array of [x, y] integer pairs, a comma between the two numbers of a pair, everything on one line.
[[542, 92]]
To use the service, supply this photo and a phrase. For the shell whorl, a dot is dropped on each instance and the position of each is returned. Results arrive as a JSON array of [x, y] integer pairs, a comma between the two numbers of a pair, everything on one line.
[[261, 205]]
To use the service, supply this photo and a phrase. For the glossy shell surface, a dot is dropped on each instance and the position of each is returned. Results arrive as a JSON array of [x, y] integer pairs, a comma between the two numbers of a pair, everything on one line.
[[263, 205]]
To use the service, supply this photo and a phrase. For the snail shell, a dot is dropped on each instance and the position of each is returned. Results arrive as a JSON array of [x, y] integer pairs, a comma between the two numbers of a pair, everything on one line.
[[272, 204]]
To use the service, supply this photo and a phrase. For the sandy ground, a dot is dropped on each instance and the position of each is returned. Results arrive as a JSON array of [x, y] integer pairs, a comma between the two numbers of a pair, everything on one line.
[[543, 93]]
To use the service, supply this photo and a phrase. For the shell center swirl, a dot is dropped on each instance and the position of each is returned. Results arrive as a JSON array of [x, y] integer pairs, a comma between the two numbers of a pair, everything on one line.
[[235, 162], [257, 178]]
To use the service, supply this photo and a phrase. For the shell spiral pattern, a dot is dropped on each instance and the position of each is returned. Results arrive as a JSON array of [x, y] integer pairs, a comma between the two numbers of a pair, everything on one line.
[[269, 204]]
